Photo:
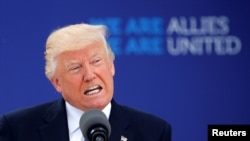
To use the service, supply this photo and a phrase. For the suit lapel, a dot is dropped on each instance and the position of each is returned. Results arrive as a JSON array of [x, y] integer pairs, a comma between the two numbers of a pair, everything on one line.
[[56, 126], [119, 124]]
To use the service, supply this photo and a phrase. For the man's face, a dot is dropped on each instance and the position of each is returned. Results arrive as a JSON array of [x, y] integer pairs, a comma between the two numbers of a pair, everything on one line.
[[85, 77]]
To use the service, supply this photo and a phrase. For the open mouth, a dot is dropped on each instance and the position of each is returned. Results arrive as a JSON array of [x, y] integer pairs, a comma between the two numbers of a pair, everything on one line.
[[93, 90]]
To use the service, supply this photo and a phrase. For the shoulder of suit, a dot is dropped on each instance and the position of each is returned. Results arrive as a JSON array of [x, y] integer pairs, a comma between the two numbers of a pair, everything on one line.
[[142, 116], [28, 112]]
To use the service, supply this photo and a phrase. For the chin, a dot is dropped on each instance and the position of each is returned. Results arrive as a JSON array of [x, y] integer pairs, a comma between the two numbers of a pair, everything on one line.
[[100, 104]]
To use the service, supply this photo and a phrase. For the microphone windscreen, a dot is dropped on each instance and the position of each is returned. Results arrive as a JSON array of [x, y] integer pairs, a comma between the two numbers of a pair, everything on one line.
[[92, 118]]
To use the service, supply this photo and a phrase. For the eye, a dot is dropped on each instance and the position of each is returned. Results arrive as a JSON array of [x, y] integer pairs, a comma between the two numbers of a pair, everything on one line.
[[75, 68], [96, 61]]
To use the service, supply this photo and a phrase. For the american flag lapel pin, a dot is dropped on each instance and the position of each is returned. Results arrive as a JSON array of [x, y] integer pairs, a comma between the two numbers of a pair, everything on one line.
[[123, 138]]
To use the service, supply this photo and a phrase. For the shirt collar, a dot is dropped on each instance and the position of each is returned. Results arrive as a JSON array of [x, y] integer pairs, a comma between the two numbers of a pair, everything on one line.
[[74, 114]]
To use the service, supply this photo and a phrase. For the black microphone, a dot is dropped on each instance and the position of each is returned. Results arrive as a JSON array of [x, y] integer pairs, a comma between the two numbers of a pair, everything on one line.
[[95, 125]]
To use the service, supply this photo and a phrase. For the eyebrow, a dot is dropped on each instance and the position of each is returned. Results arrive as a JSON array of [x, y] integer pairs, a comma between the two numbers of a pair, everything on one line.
[[94, 54], [70, 62]]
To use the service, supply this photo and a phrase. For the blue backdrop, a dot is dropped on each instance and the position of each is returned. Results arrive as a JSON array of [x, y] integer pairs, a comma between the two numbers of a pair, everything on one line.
[[186, 61]]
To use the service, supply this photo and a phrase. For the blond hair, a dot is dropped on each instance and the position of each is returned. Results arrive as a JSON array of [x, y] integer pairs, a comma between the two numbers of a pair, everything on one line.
[[73, 37]]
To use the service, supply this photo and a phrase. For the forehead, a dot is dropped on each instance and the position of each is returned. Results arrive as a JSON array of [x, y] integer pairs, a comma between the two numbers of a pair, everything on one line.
[[84, 52]]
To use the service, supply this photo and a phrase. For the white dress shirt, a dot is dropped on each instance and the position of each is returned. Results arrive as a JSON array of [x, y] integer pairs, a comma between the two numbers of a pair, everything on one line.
[[73, 117]]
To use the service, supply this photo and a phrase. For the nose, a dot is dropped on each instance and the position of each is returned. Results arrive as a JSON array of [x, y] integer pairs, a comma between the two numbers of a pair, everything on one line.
[[88, 74]]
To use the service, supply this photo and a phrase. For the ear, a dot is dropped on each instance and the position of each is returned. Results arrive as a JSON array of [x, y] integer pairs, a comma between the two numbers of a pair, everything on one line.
[[112, 68], [56, 83]]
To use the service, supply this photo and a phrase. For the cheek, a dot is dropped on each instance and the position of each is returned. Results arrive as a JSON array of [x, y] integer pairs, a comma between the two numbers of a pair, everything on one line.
[[106, 75], [109, 76], [72, 81], [109, 72]]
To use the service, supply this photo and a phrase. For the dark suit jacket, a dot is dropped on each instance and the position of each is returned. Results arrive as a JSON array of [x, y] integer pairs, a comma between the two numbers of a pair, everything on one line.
[[48, 122]]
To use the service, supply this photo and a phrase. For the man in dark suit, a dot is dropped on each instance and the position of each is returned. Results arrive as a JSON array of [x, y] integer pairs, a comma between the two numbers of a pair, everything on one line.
[[80, 66]]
